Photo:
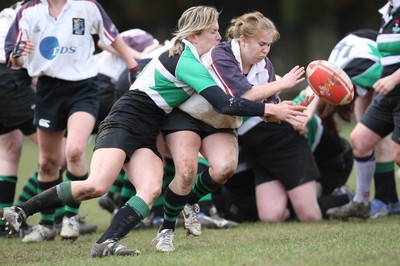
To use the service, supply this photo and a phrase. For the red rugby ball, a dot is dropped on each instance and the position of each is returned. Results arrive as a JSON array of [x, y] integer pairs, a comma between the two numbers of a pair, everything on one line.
[[330, 82]]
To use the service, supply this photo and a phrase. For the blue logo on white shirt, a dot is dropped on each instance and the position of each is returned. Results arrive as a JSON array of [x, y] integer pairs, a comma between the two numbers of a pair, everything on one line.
[[50, 47]]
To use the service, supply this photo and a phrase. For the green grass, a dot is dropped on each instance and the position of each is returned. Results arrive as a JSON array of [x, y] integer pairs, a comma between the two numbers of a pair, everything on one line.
[[374, 242], [356, 242]]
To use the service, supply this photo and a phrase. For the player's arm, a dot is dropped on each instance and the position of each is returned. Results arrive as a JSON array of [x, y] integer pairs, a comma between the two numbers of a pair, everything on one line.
[[134, 53], [231, 76], [289, 80], [222, 103], [123, 50], [16, 43]]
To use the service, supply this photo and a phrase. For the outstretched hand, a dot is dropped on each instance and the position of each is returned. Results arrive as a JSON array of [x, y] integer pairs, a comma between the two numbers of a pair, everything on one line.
[[293, 77]]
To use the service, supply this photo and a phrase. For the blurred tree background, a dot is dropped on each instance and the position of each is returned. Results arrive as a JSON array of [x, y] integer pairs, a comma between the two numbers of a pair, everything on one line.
[[309, 28]]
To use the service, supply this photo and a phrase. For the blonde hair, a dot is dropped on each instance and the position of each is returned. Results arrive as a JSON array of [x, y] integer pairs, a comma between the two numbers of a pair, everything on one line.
[[193, 21], [250, 24]]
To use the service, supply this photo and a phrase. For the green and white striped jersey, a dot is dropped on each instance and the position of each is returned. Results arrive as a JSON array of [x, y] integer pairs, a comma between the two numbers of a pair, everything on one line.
[[172, 80]]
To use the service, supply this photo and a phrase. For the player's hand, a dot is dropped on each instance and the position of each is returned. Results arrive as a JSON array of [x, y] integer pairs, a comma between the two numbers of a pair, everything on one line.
[[292, 78], [301, 128], [285, 111], [385, 85], [22, 48], [307, 100], [132, 75]]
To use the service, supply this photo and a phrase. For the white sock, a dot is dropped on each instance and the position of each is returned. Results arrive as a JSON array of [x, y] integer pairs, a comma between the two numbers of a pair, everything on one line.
[[365, 169]]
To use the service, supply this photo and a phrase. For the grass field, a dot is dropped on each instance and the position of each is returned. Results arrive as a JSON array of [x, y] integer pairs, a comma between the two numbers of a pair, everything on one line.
[[356, 242]]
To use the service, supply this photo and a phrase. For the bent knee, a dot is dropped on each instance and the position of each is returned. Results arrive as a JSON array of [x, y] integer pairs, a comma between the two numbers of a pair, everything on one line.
[[186, 177], [93, 190], [75, 154], [222, 172], [310, 216], [277, 216], [156, 192]]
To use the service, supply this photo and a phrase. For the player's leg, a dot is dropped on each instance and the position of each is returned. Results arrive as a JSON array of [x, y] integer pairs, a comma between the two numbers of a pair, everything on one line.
[[304, 201], [363, 141], [10, 153], [80, 126], [272, 202], [50, 154], [221, 152], [384, 180], [145, 171], [184, 147]]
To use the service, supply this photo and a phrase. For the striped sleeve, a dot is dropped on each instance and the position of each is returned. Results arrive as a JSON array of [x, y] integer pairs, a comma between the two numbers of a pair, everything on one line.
[[106, 29]]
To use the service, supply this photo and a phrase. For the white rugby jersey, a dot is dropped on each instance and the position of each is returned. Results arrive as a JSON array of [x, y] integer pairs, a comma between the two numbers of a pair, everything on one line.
[[64, 45], [358, 55], [351, 47], [389, 38]]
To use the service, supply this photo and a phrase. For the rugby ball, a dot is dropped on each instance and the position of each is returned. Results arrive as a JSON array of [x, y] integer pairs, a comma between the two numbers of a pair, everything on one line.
[[330, 82]]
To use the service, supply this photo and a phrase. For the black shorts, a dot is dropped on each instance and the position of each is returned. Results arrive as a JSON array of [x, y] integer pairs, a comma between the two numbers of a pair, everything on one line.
[[133, 123], [178, 120], [17, 99], [57, 100], [383, 115], [278, 152], [26, 128]]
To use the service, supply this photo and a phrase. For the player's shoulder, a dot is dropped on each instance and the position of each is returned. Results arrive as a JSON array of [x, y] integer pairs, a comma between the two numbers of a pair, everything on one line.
[[365, 33]]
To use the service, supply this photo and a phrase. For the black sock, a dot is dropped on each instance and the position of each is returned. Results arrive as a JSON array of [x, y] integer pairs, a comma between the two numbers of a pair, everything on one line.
[[202, 186], [60, 211], [7, 190], [123, 222], [173, 205], [47, 215], [384, 181], [330, 201], [29, 190], [47, 200]]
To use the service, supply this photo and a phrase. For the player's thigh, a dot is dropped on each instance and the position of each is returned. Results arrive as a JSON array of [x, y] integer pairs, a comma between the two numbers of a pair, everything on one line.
[[80, 126], [361, 104], [184, 148], [50, 146], [363, 140], [384, 150], [221, 151], [145, 170], [304, 201], [271, 199]]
